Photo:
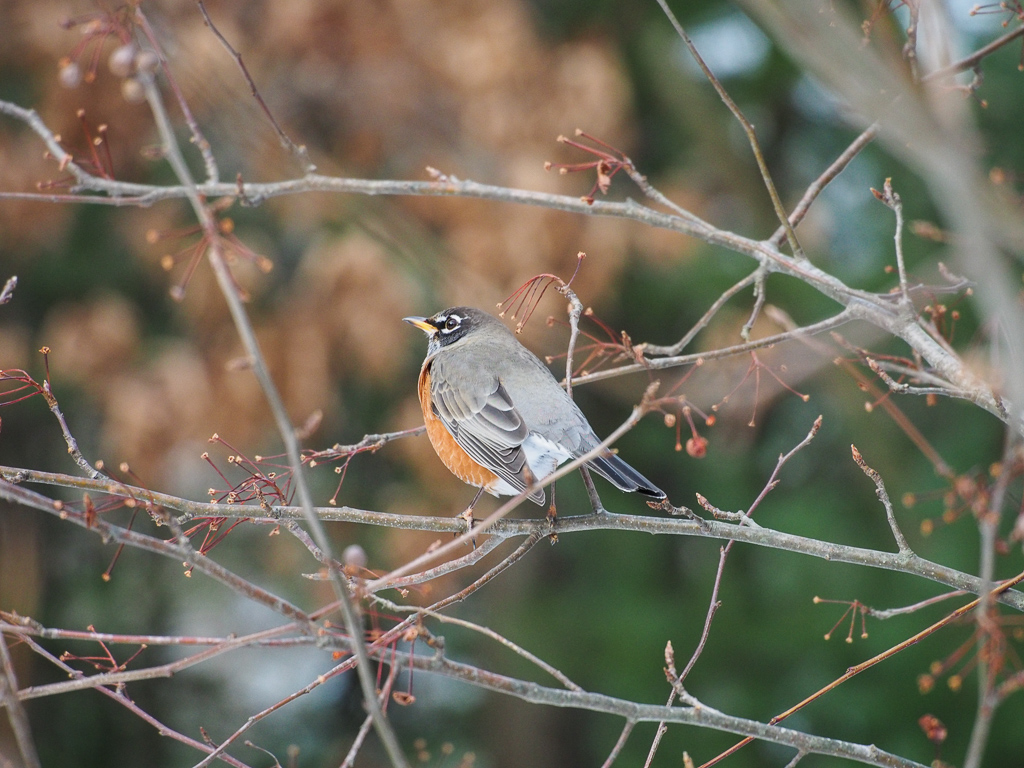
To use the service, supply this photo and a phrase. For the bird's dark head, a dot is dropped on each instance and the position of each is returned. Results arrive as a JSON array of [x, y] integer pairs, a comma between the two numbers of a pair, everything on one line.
[[452, 325]]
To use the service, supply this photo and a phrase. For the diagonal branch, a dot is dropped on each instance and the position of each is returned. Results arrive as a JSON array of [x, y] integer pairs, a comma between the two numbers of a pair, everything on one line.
[[10, 701], [353, 620], [883, 496], [819, 184], [748, 128], [298, 150]]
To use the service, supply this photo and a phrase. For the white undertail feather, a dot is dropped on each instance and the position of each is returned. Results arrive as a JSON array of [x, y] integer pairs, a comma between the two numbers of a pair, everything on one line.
[[542, 456]]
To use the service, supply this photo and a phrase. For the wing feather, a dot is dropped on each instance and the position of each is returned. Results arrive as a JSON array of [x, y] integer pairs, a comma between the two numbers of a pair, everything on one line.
[[486, 424]]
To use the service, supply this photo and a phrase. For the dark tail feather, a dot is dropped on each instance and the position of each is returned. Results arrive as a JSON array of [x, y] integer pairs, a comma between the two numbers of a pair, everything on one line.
[[624, 477]]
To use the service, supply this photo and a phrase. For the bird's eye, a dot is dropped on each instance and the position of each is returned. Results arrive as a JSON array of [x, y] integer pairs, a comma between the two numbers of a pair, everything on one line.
[[452, 322]]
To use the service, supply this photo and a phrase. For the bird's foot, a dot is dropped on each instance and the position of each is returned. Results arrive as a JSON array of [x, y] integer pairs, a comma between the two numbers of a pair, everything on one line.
[[467, 516], [552, 520]]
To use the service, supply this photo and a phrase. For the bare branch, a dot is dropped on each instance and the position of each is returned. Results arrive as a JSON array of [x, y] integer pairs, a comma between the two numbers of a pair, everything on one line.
[[353, 620], [487, 632], [883, 496], [10, 701], [891, 199], [988, 525], [677, 678], [748, 128], [619, 744], [889, 613], [364, 729], [299, 150], [679, 346], [819, 184], [760, 294], [73, 450], [972, 60], [662, 363], [503, 527], [873, 661], [212, 172], [124, 700], [81, 681], [703, 716]]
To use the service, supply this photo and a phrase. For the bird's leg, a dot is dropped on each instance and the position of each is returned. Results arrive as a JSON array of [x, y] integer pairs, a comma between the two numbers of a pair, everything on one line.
[[467, 513], [595, 500], [552, 515]]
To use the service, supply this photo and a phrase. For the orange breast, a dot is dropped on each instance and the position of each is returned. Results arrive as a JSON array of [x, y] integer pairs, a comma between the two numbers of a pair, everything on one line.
[[450, 452]]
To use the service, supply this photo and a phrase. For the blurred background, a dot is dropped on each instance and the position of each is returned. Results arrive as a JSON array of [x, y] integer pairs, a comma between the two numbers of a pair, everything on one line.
[[479, 90]]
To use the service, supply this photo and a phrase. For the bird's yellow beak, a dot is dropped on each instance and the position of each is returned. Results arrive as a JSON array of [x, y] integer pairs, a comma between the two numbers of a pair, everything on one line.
[[421, 323]]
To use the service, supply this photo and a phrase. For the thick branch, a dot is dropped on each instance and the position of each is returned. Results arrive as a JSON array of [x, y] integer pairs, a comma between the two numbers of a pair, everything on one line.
[[700, 716], [903, 562]]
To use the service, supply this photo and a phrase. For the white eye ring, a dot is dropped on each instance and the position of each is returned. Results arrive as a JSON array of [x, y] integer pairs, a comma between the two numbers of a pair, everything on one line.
[[453, 322]]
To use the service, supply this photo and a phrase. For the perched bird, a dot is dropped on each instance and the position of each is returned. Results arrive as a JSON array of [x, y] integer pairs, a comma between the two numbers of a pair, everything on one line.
[[496, 416]]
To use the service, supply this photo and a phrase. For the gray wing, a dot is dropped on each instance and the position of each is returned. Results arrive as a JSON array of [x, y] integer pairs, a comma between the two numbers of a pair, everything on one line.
[[485, 423]]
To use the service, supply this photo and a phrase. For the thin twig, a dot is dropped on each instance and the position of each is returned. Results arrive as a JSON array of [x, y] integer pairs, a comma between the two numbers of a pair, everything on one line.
[[219, 751], [679, 346], [783, 459], [972, 60], [119, 696], [486, 631], [588, 483], [888, 613], [482, 549], [299, 150], [891, 199], [120, 677], [713, 605], [874, 660], [364, 729], [748, 128], [501, 567], [677, 679], [575, 311], [902, 388], [662, 363], [936, 382], [209, 161], [370, 443], [760, 293], [619, 744], [15, 711], [73, 450], [819, 184], [988, 526], [883, 496], [910, 47]]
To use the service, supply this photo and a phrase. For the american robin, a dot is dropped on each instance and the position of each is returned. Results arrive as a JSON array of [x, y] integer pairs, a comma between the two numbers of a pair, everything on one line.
[[496, 416]]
